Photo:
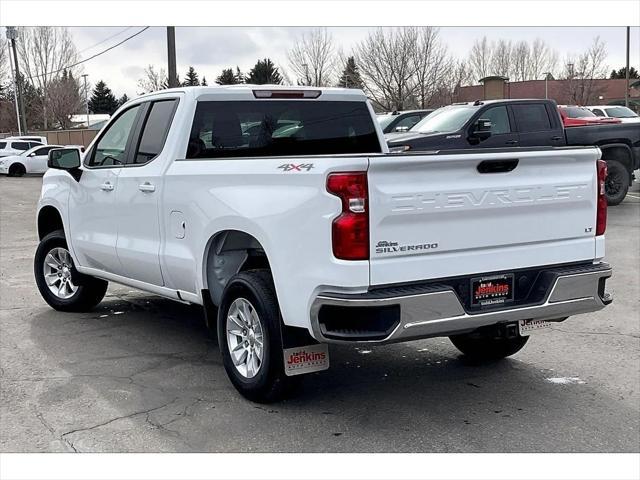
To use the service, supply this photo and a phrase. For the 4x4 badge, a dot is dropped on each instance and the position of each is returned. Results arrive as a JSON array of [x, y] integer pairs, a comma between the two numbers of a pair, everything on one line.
[[293, 167]]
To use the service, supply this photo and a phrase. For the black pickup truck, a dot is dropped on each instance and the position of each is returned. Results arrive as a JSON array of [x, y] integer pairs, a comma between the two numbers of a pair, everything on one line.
[[524, 123]]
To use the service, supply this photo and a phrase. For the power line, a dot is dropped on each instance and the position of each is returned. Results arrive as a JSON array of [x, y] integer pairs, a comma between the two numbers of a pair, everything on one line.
[[92, 56], [106, 39]]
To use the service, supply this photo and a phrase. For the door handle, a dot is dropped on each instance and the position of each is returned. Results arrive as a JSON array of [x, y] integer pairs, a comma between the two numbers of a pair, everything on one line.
[[555, 139], [497, 166], [106, 186], [512, 142], [147, 187]]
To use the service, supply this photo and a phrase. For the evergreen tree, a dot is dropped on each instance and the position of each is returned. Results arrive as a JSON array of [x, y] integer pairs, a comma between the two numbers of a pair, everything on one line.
[[240, 77], [102, 99], [122, 100], [204, 81], [264, 72], [351, 75], [622, 73], [227, 77], [191, 78]]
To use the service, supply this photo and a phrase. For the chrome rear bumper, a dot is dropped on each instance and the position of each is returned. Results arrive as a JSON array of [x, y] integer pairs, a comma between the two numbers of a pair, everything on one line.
[[438, 311]]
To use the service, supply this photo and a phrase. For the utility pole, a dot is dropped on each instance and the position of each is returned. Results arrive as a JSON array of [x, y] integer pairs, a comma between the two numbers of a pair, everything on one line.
[[86, 96], [546, 84], [15, 90], [12, 33], [171, 53], [626, 85]]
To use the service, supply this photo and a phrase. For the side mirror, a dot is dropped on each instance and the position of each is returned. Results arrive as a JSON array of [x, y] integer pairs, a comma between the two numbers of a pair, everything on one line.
[[64, 159], [401, 129], [32, 154], [481, 129]]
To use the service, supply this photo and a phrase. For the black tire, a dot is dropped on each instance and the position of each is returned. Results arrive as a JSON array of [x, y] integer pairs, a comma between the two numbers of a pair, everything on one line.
[[270, 383], [482, 347], [89, 290], [17, 170], [617, 183]]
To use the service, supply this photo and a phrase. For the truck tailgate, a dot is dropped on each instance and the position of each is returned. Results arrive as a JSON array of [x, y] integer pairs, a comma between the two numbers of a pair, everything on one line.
[[443, 215]]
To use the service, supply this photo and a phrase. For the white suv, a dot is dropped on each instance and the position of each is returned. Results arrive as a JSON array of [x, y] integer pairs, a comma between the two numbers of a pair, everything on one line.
[[10, 146]]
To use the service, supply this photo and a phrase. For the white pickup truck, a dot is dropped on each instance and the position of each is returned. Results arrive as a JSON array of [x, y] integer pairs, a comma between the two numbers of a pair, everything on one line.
[[282, 212]]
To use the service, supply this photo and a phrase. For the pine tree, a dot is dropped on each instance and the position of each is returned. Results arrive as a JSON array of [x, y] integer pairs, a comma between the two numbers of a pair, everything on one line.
[[102, 100], [191, 78], [204, 81], [227, 77], [622, 73], [264, 72], [240, 77], [122, 100], [351, 75]]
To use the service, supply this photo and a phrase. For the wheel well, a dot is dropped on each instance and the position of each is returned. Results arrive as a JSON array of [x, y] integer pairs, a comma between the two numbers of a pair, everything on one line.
[[620, 153], [17, 167], [49, 220], [229, 252]]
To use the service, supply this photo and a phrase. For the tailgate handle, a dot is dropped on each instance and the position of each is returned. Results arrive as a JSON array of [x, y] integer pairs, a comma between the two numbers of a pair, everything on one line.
[[497, 166]]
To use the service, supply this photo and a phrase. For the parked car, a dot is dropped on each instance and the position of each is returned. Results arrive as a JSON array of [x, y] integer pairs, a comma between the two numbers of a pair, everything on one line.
[[625, 114], [322, 236], [33, 160], [401, 121], [574, 116], [524, 123], [30, 138], [15, 147]]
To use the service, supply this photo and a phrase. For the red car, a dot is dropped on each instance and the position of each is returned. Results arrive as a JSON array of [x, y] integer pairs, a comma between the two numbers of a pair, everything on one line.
[[574, 116]]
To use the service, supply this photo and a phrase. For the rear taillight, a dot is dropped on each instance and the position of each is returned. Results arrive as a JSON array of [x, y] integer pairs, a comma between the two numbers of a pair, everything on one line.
[[350, 231], [601, 218]]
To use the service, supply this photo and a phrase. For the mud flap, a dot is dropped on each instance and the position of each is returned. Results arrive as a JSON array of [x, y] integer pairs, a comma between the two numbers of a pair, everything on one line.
[[302, 353], [210, 314]]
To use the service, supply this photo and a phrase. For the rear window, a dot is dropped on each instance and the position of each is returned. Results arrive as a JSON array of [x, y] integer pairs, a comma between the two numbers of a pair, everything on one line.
[[155, 130], [531, 117], [267, 128]]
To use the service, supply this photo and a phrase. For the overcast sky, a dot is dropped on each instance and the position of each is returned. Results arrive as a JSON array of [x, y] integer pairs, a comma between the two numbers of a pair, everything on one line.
[[210, 49]]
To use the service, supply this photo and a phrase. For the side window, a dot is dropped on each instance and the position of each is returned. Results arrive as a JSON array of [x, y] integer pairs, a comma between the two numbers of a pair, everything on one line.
[[42, 151], [598, 112], [111, 148], [155, 130], [531, 117], [34, 144], [3, 145], [20, 146], [499, 119]]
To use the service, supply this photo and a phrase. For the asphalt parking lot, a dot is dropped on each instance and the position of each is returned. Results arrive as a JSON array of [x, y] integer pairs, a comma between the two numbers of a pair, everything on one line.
[[140, 374]]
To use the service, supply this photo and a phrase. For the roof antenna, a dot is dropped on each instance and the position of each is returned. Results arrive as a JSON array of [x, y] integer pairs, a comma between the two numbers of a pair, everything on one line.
[[478, 102]]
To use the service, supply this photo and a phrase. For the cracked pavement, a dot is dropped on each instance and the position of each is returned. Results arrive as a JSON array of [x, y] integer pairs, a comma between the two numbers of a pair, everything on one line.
[[140, 374]]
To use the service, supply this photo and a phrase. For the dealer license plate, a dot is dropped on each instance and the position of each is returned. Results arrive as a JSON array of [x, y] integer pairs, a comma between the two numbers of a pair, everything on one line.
[[490, 291], [527, 327]]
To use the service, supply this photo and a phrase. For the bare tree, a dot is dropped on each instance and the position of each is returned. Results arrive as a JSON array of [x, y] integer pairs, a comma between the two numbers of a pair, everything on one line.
[[5, 74], [65, 99], [153, 80], [458, 74], [430, 65], [583, 70], [386, 64], [313, 58], [521, 62], [501, 58], [480, 59], [44, 53], [542, 60]]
